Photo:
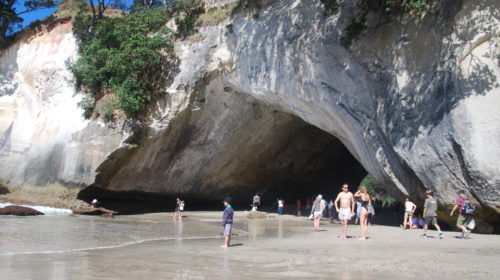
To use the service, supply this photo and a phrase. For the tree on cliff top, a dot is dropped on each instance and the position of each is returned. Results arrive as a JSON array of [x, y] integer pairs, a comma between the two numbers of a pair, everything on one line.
[[10, 17]]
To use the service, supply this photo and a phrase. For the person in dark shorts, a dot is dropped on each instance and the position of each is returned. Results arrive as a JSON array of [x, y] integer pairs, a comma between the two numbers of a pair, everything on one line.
[[430, 214], [463, 220], [227, 221]]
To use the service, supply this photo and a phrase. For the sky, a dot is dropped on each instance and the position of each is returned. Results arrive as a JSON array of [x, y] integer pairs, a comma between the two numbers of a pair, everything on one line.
[[30, 17], [39, 14]]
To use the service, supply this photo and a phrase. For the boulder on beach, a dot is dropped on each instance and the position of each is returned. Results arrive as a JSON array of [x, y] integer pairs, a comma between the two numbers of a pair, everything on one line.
[[96, 211], [256, 215], [19, 211]]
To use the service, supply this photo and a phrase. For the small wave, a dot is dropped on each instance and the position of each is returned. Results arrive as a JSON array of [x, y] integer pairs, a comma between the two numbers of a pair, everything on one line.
[[44, 209], [104, 247]]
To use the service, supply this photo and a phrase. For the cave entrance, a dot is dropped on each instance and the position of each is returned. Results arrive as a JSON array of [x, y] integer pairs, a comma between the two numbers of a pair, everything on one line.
[[309, 162], [290, 159]]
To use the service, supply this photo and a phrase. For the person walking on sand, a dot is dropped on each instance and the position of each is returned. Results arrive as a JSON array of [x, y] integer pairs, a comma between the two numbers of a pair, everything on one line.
[[299, 208], [227, 221], [346, 209], [430, 213], [463, 219], [317, 210], [281, 205], [409, 210], [255, 202], [177, 212], [366, 202], [331, 210]]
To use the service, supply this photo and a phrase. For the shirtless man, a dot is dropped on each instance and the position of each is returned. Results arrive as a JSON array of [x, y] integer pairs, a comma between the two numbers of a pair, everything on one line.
[[346, 211]]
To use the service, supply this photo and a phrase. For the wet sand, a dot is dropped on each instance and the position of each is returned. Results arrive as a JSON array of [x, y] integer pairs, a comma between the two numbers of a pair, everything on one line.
[[276, 248]]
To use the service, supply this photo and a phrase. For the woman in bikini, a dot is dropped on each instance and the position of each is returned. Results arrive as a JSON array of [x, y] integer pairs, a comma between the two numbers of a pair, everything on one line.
[[362, 193]]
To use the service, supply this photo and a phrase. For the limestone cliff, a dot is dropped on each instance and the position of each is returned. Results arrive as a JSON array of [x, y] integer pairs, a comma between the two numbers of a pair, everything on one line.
[[43, 138], [269, 100]]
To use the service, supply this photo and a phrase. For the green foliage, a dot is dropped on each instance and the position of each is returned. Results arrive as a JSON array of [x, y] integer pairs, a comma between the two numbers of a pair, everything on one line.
[[106, 108], [388, 8], [70, 8], [216, 15], [388, 202], [331, 7], [374, 187], [124, 55], [87, 104], [402, 6], [10, 18], [352, 31]]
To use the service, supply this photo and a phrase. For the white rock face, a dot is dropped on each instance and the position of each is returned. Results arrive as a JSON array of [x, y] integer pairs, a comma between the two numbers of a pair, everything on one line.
[[261, 100], [43, 136]]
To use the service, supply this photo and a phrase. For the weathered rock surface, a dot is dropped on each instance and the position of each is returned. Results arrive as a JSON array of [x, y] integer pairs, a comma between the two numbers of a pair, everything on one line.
[[270, 100], [106, 213], [19, 211], [43, 137], [256, 215]]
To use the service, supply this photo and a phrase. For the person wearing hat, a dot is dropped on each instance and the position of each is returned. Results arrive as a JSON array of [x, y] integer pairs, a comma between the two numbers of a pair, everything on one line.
[[463, 220], [227, 221], [430, 213], [318, 207]]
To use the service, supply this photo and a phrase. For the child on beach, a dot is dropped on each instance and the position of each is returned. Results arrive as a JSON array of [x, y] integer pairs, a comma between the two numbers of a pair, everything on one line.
[[317, 211], [227, 221]]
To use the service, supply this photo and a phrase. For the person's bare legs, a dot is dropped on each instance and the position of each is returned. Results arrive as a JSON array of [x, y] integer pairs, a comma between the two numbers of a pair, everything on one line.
[[425, 229], [364, 224], [316, 223], [410, 221], [405, 219], [227, 240], [344, 229]]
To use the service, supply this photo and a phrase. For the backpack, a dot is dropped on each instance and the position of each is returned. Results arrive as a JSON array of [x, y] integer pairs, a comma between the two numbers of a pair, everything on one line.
[[469, 208]]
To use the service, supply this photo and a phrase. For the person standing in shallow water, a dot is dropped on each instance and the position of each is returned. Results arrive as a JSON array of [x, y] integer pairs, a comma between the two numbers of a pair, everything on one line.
[[177, 212], [346, 209], [227, 221], [365, 203]]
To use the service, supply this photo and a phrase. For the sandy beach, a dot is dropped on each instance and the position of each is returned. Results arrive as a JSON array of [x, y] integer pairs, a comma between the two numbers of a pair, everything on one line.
[[280, 247]]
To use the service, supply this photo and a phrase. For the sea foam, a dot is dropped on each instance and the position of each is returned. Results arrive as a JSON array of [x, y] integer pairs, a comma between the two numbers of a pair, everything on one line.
[[44, 209]]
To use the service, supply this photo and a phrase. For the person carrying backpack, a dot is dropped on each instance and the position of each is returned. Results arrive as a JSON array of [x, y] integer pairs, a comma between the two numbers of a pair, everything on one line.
[[465, 213]]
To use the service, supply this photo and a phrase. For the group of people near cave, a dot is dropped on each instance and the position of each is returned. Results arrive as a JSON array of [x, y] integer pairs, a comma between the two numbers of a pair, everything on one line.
[[344, 205]]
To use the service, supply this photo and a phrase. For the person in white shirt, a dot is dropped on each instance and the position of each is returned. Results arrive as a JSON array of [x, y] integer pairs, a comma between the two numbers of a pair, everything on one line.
[[410, 208]]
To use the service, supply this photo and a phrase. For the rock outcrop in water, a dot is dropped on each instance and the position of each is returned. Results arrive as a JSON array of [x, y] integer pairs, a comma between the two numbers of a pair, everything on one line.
[[270, 100], [19, 211]]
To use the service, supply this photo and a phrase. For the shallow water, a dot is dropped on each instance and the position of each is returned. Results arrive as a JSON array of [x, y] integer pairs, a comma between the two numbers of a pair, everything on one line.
[[59, 234], [153, 246]]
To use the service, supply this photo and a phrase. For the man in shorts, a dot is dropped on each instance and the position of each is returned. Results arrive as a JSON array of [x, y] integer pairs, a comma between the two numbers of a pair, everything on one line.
[[430, 213], [463, 220], [346, 209], [227, 221]]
